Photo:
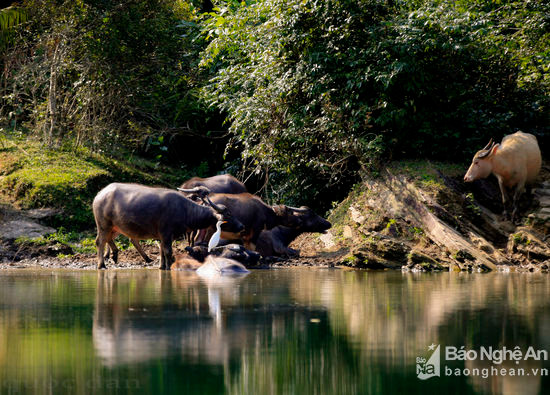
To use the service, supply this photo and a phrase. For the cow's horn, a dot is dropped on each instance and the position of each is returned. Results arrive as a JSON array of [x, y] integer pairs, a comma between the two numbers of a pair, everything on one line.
[[299, 210], [201, 190], [219, 209], [487, 151], [488, 145]]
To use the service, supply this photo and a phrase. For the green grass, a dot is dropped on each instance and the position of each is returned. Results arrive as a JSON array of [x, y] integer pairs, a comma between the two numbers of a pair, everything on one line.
[[32, 176], [425, 173]]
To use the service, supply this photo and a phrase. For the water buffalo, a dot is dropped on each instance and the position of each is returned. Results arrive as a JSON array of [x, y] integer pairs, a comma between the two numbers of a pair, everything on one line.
[[276, 241], [516, 162], [140, 212], [236, 252], [224, 183], [256, 216], [212, 265], [217, 266]]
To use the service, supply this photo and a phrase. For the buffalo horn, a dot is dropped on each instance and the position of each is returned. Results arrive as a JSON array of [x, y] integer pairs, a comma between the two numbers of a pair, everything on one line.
[[487, 150], [488, 145], [215, 206], [299, 210], [201, 191]]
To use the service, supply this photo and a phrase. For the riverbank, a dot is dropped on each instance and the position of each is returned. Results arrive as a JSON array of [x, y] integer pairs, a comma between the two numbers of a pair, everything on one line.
[[415, 215], [421, 216]]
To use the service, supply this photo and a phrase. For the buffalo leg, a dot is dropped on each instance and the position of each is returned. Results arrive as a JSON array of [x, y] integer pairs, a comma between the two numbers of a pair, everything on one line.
[[515, 202], [166, 257], [282, 250], [504, 197], [114, 250], [136, 244], [100, 242], [191, 236]]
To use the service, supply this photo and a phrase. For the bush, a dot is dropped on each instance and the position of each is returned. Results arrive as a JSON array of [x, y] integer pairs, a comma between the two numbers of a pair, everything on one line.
[[106, 74]]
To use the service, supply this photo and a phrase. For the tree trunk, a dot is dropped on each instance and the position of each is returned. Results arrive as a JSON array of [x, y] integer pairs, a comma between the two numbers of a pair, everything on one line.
[[52, 98]]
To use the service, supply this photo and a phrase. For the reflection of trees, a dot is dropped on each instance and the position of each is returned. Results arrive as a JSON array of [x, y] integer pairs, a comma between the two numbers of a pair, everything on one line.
[[41, 331], [393, 317], [287, 331]]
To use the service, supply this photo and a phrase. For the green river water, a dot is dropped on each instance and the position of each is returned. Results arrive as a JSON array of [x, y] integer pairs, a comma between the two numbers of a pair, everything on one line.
[[287, 331]]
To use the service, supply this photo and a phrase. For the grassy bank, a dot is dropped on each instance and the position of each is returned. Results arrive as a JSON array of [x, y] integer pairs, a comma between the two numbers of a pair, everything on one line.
[[32, 176]]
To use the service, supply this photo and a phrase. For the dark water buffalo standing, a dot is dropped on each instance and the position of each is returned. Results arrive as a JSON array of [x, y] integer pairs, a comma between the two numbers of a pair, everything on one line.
[[256, 216], [224, 183], [515, 162], [140, 212], [277, 240]]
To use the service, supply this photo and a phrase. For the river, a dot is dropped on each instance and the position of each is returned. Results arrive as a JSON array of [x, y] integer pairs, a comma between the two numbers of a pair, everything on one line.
[[287, 331]]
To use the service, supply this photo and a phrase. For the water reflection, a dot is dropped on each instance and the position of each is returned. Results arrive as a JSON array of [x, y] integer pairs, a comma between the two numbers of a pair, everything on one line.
[[287, 331]]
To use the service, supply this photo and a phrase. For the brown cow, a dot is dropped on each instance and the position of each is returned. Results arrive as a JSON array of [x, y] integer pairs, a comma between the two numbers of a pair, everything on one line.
[[516, 162]]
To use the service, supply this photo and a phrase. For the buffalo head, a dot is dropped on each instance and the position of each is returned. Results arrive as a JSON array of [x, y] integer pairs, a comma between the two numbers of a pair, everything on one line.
[[482, 164], [223, 213], [302, 218]]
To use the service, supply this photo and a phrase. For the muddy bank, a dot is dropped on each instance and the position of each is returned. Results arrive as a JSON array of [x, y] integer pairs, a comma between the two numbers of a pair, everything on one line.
[[420, 216], [27, 257]]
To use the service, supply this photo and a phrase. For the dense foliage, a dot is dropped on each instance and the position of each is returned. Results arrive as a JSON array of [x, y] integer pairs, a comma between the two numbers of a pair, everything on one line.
[[313, 92], [106, 73], [318, 89]]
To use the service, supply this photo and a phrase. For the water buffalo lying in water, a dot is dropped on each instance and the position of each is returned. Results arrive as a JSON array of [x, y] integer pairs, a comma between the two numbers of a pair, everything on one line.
[[236, 252], [212, 265], [215, 266], [140, 212]]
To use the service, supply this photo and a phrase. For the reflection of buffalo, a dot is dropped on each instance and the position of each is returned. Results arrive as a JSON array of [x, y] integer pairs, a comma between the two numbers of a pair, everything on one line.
[[195, 317]]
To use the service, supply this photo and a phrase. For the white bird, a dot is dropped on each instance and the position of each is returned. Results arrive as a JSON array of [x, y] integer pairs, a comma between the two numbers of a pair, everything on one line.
[[215, 239]]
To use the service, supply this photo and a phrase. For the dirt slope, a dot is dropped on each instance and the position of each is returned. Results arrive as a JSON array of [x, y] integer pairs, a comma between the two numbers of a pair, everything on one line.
[[421, 216]]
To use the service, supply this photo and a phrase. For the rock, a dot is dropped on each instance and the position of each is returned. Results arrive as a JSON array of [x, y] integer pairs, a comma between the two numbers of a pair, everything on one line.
[[528, 243], [59, 249], [463, 255], [328, 240], [379, 252], [416, 257], [42, 213], [541, 192], [23, 228], [348, 232], [361, 258], [388, 248], [356, 215]]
